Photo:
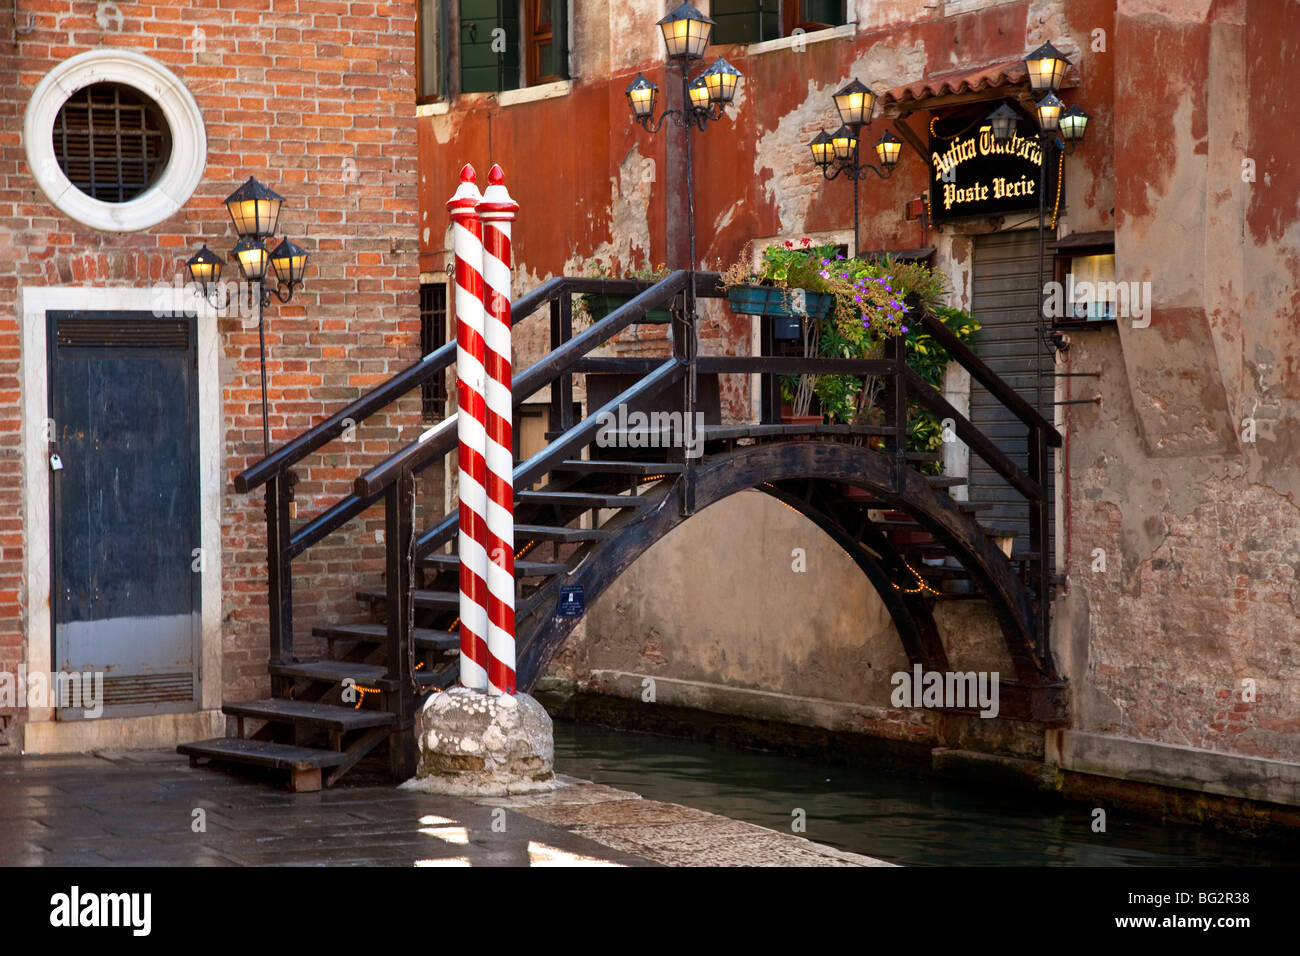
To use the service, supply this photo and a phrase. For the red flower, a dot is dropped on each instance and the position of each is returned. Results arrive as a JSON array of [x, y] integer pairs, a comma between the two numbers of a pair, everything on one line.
[[806, 241], [789, 244]]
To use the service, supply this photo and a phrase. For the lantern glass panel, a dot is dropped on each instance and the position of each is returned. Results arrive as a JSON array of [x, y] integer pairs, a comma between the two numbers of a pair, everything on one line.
[[686, 32], [855, 104]]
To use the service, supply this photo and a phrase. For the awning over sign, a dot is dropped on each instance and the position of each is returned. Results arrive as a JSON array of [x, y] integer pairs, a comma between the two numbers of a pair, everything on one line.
[[960, 86]]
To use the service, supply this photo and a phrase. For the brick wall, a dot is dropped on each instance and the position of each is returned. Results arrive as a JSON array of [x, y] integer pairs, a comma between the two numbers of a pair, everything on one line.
[[315, 99]]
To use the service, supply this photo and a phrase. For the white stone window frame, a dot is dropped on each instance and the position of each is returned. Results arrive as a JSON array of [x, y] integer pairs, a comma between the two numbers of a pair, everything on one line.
[[184, 169]]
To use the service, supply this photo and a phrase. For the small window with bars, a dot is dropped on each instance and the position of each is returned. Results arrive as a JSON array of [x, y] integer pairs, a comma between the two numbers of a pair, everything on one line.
[[111, 141], [433, 335]]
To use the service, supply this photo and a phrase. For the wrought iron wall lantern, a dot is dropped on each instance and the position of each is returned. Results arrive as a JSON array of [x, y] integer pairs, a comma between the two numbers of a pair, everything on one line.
[[839, 153], [255, 212]]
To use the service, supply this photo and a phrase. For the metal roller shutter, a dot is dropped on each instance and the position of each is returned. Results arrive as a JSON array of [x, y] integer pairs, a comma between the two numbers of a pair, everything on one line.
[[1004, 301]]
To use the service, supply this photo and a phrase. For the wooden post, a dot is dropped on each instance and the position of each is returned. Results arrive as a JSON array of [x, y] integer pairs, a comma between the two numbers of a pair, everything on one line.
[[565, 384], [895, 404], [279, 569], [1039, 535], [399, 531]]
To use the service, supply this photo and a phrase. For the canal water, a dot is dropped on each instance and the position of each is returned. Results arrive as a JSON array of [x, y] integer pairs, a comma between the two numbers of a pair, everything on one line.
[[905, 820]]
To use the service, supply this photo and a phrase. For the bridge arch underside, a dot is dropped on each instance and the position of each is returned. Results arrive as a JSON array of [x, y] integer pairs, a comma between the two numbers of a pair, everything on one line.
[[806, 475]]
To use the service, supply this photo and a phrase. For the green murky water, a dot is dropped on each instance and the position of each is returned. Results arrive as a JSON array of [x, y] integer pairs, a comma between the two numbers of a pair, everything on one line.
[[914, 822]]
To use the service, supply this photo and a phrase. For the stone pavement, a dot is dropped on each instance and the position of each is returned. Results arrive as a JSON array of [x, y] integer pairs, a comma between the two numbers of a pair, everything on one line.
[[144, 808]]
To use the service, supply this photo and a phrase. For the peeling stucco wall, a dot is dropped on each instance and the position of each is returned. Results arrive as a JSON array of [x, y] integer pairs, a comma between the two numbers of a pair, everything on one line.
[[1184, 479]]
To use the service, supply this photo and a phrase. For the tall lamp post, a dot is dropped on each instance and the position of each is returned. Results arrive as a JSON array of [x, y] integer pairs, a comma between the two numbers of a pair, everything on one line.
[[686, 34], [839, 153], [255, 210]]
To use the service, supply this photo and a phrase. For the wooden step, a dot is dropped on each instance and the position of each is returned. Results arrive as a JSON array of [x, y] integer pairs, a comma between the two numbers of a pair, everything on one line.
[[944, 481], [263, 753], [426, 599], [930, 571], [306, 713], [523, 568], [621, 467], [733, 432], [334, 672], [442, 601], [367, 632], [579, 499], [537, 532], [303, 763]]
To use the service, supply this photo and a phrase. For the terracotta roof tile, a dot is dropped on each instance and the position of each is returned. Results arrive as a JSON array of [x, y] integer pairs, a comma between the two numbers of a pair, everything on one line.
[[1008, 73]]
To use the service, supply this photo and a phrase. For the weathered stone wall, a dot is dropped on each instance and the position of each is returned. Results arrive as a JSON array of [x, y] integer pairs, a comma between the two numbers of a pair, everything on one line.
[[1184, 479]]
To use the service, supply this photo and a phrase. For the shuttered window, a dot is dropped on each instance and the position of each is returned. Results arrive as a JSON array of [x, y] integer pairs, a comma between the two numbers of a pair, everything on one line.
[[815, 14], [111, 141], [430, 59], [546, 52], [745, 21], [752, 21], [489, 45]]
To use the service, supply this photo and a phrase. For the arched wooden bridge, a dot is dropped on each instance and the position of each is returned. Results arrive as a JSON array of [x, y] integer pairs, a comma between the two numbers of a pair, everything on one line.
[[585, 512]]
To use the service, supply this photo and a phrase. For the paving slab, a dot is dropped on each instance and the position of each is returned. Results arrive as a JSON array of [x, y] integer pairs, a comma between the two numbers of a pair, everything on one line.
[[127, 808]]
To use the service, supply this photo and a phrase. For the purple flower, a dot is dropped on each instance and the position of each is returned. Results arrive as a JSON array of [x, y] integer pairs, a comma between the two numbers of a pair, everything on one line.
[[826, 262], [887, 288], [825, 274], [838, 256], [857, 298], [905, 328]]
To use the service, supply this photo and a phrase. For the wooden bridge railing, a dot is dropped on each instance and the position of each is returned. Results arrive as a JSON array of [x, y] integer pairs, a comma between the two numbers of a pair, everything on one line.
[[391, 480]]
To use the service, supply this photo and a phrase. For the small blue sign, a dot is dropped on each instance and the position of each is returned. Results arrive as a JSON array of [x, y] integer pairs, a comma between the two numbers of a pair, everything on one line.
[[572, 602]]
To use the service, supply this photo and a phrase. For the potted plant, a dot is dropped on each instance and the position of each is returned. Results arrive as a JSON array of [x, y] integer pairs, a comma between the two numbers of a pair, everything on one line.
[[803, 283], [913, 289], [595, 306], [786, 284]]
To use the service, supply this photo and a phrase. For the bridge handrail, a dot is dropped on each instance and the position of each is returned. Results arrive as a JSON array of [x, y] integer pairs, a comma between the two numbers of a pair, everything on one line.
[[541, 373], [979, 371], [926, 394], [381, 396]]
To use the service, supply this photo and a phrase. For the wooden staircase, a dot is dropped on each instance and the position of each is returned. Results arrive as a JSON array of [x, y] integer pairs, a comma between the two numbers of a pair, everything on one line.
[[583, 514]]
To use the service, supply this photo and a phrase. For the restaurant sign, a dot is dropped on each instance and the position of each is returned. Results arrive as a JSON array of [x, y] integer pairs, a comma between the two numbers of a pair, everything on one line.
[[972, 174]]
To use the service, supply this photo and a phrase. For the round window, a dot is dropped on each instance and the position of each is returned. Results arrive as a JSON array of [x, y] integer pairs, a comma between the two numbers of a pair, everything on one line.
[[114, 140], [111, 141]]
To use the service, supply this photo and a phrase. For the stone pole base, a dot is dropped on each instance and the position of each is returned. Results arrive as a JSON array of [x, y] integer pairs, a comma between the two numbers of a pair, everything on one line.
[[473, 744]]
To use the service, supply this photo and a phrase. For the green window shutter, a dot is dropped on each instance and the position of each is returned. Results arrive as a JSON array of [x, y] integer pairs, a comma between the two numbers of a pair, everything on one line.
[[560, 43], [738, 21], [489, 45], [430, 50], [825, 11], [770, 12]]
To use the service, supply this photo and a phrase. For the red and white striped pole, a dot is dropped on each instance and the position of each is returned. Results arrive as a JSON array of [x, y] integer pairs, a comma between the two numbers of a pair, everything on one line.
[[470, 431], [497, 211]]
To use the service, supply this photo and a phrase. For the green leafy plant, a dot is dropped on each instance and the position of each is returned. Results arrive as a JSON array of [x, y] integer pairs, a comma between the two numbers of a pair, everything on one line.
[[861, 295], [597, 269]]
